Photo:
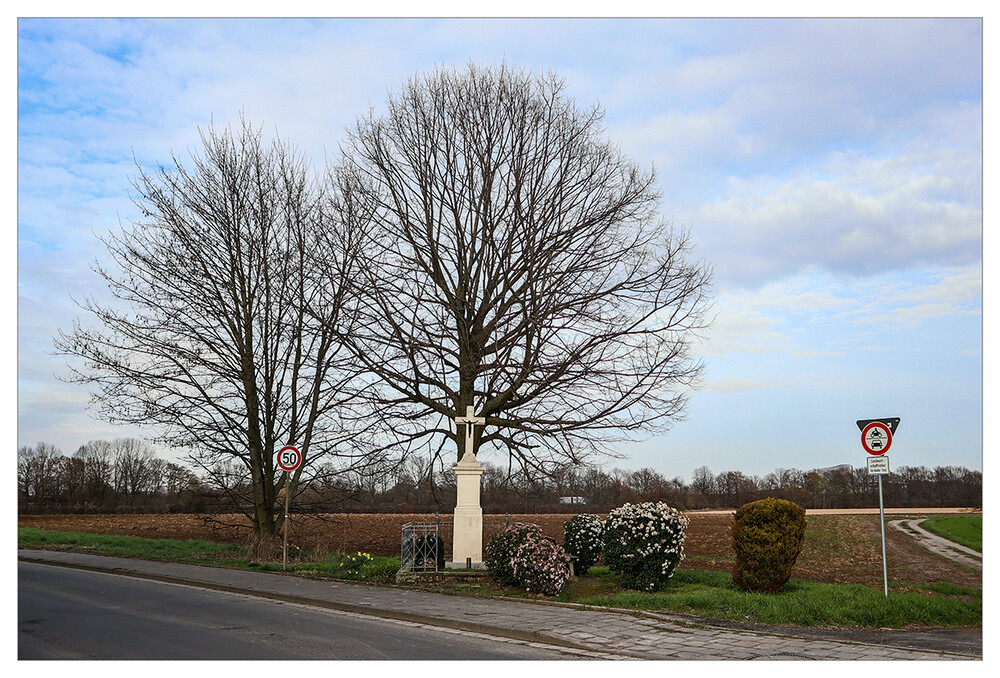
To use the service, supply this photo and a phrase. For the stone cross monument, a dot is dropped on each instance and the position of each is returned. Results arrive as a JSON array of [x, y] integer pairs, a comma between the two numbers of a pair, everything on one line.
[[468, 537]]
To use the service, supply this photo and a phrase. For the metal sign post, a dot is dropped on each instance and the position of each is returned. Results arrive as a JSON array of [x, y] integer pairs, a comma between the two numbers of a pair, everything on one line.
[[289, 459], [876, 438], [881, 518], [284, 524]]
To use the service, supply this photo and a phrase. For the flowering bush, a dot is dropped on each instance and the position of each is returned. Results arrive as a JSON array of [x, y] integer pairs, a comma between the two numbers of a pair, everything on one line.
[[643, 544], [501, 549], [583, 537], [540, 566], [523, 557]]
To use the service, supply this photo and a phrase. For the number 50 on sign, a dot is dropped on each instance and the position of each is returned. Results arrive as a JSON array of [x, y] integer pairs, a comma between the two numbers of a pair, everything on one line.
[[289, 458]]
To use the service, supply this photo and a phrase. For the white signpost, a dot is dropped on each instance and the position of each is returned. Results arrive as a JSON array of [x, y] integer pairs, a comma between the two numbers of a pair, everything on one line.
[[289, 458], [876, 438], [878, 466]]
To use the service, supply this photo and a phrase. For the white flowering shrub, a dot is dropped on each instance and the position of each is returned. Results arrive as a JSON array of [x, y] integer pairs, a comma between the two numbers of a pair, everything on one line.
[[643, 543], [523, 557], [583, 536]]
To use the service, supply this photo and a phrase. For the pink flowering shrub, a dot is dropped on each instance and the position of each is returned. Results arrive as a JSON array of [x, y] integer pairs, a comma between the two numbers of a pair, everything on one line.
[[525, 558], [501, 549], [643, 543]]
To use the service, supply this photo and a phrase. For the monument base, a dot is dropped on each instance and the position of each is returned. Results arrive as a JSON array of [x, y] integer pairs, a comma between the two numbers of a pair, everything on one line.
[[455, 565]]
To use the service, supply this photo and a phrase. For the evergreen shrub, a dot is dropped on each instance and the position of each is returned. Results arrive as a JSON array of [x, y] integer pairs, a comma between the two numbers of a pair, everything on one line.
[[583, 536], [767, 539], [644, 543], [522, 557]]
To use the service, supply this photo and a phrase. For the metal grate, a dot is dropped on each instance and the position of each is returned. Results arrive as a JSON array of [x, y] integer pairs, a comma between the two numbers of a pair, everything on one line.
[[423, 546]]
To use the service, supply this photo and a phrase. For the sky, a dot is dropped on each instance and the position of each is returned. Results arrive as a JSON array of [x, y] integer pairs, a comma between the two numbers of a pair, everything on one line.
[[830, 171]]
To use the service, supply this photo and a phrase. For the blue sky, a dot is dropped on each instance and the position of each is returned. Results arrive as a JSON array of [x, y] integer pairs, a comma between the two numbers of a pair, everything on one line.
[[829, 170]]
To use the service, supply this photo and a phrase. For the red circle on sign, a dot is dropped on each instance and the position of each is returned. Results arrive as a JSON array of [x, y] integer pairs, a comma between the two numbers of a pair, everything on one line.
[[876, 438], [289, 458]]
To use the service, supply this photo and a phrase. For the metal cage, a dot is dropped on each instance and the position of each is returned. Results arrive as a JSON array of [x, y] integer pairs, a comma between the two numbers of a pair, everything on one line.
[[423, 546]]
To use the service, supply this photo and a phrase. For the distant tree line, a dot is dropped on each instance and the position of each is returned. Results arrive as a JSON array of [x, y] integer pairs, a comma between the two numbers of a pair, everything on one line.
[[104, 476], [125, 475], [414, 487]]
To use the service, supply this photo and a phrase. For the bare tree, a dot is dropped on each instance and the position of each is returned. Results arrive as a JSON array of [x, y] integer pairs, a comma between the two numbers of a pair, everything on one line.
[[137, 470], [703, 482], [178, 479], [227, 344], [515, 262], [71, 483], [37, 476], [99, 471]]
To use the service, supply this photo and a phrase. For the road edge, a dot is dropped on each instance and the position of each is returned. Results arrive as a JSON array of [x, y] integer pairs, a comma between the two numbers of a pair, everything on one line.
[[489, 629], [472, 627]]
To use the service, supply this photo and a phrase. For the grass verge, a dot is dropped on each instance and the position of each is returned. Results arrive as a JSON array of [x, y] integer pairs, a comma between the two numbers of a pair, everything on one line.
[[801, 602], [964, 530], [349, 566], [188, 551]]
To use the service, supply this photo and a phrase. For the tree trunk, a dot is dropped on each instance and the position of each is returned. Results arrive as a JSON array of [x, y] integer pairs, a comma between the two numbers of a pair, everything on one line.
[[263, 543]]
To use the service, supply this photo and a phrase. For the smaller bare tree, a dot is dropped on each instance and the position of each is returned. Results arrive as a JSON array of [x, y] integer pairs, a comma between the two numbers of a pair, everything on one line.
[[221, 339]]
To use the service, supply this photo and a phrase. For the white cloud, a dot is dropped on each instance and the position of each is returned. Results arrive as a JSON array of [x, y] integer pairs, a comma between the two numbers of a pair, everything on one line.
[[853, 214], [960, 286], [818, 315], [953, 292], [743, 330], [730, 385]]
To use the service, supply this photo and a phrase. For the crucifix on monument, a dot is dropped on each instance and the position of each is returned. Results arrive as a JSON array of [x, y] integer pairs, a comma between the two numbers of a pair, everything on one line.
[[467, 546]]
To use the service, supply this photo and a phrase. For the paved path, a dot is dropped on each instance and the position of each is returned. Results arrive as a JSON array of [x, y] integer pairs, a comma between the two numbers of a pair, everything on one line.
[[944, 547], [622, 633]]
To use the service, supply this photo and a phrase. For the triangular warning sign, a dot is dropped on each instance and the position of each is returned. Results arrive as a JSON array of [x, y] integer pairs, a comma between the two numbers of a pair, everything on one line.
[[891, 422]]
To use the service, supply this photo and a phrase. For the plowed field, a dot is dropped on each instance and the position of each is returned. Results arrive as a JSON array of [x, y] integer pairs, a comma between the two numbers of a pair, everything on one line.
[[841, 548]]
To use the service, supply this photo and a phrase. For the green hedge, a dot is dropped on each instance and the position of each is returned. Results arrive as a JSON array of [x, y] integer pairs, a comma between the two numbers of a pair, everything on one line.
[[767, 539]]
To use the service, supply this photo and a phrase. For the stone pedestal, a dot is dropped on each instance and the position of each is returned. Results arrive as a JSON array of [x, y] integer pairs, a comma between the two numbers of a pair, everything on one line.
[[468, 535]]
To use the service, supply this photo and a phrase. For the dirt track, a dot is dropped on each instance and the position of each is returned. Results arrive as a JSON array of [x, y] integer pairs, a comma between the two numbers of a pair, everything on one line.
[[840, 546]]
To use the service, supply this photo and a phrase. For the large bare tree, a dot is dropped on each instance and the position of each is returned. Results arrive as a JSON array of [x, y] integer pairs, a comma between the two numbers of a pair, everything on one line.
[[514, 262], [221, 338]]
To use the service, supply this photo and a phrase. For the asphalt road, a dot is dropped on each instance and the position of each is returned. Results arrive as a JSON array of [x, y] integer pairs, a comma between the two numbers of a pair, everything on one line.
[[72, 614]]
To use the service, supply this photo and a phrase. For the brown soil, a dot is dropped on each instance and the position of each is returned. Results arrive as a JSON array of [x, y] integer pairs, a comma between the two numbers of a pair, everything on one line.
[[839, 547]]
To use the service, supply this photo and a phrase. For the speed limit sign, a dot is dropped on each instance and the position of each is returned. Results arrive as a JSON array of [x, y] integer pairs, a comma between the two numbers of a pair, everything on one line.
[[289, 458]]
